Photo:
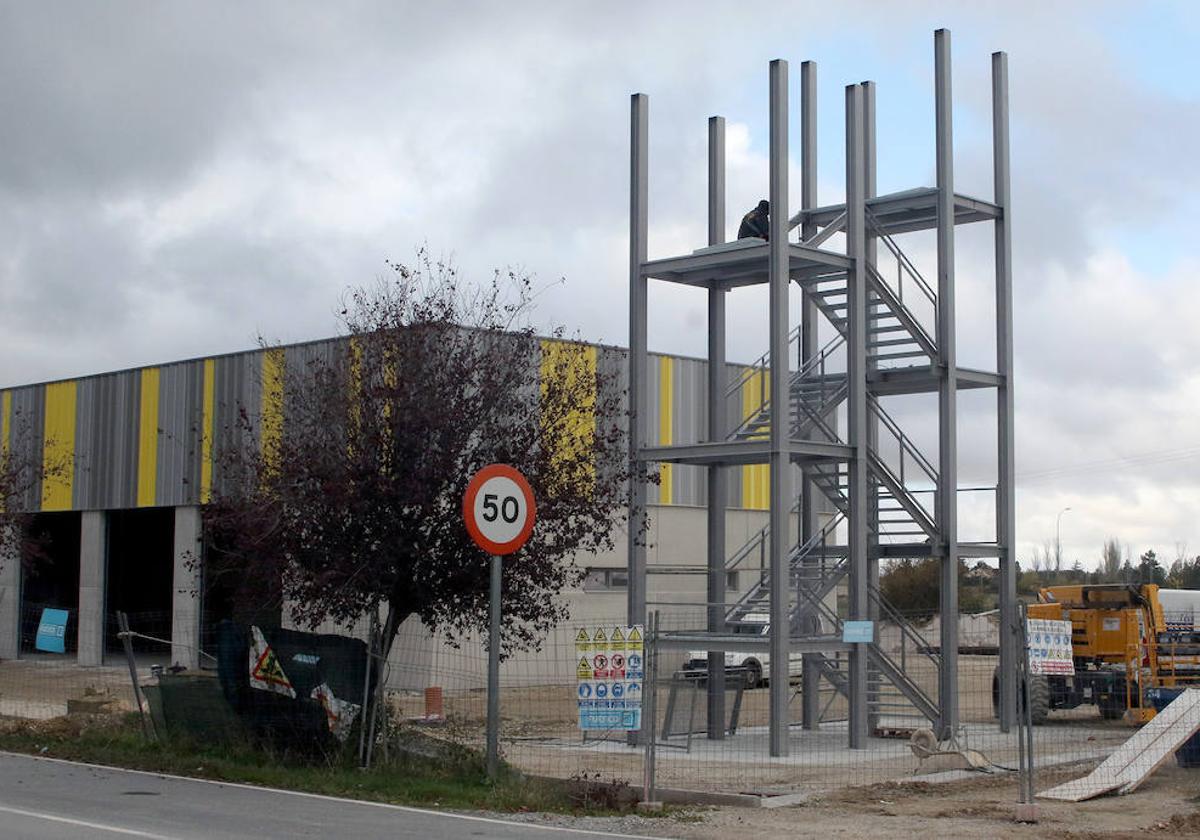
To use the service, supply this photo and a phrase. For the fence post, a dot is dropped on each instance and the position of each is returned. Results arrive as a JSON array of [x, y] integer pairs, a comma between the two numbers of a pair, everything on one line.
[[650, 713], [127, 644], [1026, 809]]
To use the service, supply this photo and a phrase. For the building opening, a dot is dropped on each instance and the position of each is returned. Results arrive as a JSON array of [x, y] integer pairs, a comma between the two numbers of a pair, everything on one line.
[[141, 550], [51, 576]]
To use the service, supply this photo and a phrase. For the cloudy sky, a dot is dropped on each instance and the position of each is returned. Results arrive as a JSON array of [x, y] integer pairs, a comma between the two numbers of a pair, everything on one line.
[[176, 179]]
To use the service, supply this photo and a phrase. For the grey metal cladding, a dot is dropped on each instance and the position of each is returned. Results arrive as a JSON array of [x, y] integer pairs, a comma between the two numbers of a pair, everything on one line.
[[85, 444], [238, 383], [27, 429], [180, 424], [109, 408]]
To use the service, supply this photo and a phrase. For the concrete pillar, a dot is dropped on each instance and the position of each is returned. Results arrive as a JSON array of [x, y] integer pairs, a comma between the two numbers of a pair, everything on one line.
[[185, 589], [93, 574], [10, 595]]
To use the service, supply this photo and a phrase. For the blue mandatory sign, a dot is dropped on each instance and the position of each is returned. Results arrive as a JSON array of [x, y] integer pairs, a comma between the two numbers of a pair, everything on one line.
[[635, 662], [618, 691], [52, 631], [601, 690], [634, 691], [585, 691]]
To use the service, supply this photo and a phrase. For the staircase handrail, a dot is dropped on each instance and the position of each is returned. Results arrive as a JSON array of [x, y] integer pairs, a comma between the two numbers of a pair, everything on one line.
[[906, 627], [814, 363], [758, 365], [902, 259], [907, 446]]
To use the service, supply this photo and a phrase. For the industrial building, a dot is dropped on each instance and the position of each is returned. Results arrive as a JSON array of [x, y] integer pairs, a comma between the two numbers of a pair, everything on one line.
[[132, 455]]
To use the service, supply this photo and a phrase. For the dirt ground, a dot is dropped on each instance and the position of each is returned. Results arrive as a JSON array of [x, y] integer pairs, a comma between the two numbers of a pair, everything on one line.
[[1168, 806]]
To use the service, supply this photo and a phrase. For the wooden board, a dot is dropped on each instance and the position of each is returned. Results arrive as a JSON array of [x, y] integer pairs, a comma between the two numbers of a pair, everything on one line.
[[1134, 761]]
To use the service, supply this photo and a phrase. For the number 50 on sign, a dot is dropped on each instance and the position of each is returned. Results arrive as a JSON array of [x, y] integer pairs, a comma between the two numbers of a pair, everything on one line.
[[498, 509]]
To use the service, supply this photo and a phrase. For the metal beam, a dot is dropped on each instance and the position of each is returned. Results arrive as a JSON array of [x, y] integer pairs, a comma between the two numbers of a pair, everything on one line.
[[947, 497], [907, 210], [732, 452], [718, 482], [1006, 530], [696, 641], [810, 713], [781, 467], [856, 405], [639, 403]]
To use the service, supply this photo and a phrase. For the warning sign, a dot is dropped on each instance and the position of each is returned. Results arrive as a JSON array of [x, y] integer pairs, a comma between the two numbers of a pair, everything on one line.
[[266, 673], [1049, 647], [609, 672], [600, 666]]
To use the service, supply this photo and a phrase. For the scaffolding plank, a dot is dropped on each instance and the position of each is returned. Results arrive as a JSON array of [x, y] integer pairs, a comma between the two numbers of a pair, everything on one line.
[[1134, 761]]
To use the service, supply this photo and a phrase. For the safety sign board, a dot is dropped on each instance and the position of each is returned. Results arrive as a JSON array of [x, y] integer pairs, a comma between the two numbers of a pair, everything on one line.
[[609, 674], [52, 631], [1049, 647]]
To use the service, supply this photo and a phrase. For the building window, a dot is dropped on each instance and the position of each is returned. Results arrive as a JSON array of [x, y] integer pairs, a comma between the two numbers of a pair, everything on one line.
[[731, 581], [604, 580]]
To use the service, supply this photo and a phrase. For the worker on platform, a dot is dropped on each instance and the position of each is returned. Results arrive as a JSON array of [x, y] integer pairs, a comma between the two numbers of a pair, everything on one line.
[[756, 223]]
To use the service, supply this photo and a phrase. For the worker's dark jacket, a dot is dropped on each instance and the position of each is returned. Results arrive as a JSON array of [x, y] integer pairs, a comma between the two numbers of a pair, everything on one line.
[[756, 223]]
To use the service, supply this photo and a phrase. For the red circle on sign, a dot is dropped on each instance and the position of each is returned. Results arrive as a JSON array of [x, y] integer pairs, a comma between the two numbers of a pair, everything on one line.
[[489, 473]]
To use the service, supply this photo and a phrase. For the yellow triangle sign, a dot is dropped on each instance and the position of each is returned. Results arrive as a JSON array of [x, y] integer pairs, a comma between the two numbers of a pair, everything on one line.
[[582, 635], [584, 669], [617, 635], [634, 635], [599, 636]]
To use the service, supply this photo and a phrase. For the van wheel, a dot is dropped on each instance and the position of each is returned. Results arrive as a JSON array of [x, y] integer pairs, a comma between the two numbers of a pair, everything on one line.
[[753, 674]]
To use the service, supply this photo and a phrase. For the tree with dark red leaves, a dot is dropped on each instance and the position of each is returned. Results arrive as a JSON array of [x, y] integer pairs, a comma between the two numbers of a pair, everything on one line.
[[355, 504]]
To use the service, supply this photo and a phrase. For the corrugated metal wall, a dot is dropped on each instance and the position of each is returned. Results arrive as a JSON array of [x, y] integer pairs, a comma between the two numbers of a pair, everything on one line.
[[156, 436]]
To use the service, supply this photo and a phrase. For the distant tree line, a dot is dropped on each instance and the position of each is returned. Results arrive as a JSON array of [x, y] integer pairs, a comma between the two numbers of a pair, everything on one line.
[[912, 585]]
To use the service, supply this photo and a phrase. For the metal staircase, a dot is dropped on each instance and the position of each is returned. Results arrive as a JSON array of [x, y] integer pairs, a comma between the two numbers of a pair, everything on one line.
[[896, 338]]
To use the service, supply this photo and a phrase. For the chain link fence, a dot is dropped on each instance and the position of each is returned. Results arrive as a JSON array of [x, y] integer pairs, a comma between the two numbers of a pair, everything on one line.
[[431, 696]]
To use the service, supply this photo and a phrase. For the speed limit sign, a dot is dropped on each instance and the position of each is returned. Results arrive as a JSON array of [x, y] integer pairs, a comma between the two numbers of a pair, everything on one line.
[[498, 509]]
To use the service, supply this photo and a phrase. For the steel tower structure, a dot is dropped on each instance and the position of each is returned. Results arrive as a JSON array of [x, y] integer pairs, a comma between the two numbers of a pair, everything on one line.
[[821, 425]]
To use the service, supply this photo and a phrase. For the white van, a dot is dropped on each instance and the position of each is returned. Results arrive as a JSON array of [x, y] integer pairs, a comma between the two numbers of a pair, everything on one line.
[[753, 665]]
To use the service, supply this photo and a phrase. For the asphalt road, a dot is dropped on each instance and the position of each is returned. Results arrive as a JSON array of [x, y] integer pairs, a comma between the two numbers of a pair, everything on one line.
[[43, 799]]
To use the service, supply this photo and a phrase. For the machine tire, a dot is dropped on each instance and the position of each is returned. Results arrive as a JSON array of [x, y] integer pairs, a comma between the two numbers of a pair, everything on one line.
[[1039, 697], [754, 676]]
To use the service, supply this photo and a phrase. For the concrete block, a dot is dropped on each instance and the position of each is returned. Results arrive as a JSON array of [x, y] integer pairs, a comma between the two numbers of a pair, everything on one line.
[[185, 588], [93, 568], [10, 598]]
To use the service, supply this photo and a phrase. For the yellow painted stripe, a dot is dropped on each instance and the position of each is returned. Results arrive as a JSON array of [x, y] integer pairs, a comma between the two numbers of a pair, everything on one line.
[[206, 431], [666, 416], [272, 407], [147, 490], [58, 446], [756, 479], [576, 365]]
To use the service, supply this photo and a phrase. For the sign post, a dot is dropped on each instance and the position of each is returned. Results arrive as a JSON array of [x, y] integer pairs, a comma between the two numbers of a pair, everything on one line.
[[499, 511]]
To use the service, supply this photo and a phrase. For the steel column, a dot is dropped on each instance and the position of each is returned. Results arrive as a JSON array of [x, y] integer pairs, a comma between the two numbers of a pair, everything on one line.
[[718, 482], [1005, 490], [870, 250], [780, 460], [639, 404], [810, 696], [947, 497], [856, 404]]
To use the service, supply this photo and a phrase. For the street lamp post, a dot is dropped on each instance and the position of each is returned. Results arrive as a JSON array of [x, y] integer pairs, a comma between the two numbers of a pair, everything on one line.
[[1058, 540]]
